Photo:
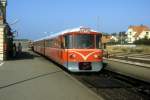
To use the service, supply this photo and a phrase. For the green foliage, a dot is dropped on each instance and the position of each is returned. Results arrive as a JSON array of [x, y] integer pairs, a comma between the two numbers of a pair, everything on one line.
[[144, 41]]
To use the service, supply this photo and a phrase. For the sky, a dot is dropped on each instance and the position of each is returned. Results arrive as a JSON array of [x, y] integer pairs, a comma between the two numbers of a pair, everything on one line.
[[34, 19]]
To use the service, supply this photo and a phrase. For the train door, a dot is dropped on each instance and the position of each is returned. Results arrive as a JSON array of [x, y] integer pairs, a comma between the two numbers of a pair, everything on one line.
[[65, 50], [68, 46]]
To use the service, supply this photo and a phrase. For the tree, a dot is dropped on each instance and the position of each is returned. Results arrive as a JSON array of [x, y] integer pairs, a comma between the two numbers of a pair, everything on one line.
[[122, 37], [144, 41]]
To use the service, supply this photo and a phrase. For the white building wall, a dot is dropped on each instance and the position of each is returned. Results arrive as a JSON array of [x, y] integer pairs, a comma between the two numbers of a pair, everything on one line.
[[144, 33], [130, 35], [114, 38], [1, 43]]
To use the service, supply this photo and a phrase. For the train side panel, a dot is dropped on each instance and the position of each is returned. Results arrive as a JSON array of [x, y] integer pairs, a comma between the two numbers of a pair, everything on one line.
[[54, 53], [39, 47]]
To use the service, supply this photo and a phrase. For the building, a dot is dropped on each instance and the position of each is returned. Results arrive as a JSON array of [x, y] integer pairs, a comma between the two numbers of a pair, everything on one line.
[[24, 42], [109, 38], [137, 32], [6, 36], [114, 38], [106, 39]]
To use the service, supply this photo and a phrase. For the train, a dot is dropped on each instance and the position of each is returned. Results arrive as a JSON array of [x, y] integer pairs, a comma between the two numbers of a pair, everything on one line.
[[77, 50]]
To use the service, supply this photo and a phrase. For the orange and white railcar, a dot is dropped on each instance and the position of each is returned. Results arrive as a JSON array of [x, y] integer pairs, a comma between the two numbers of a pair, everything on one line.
[[78, 50]]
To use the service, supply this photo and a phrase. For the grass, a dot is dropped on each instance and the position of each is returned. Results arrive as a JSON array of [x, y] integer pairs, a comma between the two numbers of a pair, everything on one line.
[[124, 49]]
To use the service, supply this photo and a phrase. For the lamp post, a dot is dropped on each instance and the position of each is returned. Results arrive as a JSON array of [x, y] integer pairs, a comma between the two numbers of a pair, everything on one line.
[[3, 4]]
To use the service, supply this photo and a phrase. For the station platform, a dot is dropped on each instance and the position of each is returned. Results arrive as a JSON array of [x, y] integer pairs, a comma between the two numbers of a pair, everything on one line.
[[32, 77]]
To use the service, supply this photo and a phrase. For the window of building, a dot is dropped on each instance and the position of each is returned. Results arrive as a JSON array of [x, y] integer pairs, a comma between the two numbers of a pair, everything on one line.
[[147, 33]]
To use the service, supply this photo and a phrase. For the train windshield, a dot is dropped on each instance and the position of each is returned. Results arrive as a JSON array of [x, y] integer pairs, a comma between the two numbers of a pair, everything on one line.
[[83, 41]]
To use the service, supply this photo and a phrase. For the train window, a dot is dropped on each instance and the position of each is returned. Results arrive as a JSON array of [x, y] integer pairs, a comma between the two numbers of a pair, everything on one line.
[[52, 43], [63, 43], [98, 41], [47, 43], [84, 41], [68, 41]]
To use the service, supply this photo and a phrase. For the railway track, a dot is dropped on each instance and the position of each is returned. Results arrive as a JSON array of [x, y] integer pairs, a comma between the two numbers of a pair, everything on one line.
[[141, 58], [134, 59], [112, 86]]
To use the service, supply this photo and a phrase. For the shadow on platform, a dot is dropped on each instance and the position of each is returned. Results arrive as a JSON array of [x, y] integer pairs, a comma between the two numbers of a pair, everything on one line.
[[24, 55]]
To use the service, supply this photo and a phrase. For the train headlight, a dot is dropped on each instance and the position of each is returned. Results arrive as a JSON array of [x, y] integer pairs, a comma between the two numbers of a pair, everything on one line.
[[97, 56], [72, 56]]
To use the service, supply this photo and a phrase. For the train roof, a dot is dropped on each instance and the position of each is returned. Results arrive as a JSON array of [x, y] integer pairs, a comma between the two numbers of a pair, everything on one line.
[[78, 29]]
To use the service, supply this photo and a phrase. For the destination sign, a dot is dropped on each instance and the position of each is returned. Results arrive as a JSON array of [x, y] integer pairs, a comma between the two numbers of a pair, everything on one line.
[[85, 30]]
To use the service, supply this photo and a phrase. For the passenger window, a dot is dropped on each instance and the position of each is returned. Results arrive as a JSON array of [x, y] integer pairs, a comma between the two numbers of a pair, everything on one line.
[[68, 41]]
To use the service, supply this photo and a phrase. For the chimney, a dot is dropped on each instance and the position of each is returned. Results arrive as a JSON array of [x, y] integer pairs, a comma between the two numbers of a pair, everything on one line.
[[130, 26], [142, 25]]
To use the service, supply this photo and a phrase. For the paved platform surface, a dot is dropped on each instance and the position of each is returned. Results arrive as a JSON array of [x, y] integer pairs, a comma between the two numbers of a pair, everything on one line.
[[32, 77], [135, 70]]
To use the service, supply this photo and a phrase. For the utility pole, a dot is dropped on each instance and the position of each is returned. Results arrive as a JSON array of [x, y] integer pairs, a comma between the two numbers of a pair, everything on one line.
[[122, 37], [98, 23]]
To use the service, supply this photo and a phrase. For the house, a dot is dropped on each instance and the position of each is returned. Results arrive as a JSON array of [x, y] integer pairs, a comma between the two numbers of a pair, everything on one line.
[[114, 38], [106, 39], [137, 32], [109, 38]]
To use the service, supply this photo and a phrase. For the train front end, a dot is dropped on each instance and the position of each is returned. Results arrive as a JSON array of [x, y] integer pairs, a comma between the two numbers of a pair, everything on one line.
[[84, 60], [83, 53]]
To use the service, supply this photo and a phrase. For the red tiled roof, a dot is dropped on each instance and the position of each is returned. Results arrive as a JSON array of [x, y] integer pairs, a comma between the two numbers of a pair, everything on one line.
[[106, 39], [139, 29]]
